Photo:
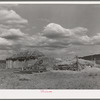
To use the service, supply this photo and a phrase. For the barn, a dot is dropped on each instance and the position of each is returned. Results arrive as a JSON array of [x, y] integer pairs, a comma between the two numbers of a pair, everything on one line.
[[31, 60], [2, 64], [95, 58], [23, 58]]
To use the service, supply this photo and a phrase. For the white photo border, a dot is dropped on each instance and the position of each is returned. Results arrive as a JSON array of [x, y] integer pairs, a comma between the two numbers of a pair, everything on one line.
[[55, 94]]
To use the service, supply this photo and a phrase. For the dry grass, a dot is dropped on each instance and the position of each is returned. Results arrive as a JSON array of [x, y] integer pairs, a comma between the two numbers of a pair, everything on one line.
[[86, 79]]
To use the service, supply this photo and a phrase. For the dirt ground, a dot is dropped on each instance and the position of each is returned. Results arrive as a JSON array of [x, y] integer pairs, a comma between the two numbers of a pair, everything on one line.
[[86, 79]]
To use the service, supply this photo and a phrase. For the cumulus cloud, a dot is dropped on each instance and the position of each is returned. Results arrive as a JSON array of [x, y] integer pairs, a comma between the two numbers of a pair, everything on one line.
[[42, 41], [5, 44], [61, 37], [12, 34], [4, 26], [79, 31], [53, 36], [96, 39], [53, 30], [80, 40], [16, 38], [65, 36], [11, 17], [10, 38]]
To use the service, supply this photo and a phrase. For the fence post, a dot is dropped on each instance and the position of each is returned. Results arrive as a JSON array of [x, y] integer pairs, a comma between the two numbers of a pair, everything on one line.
[[77, 63]]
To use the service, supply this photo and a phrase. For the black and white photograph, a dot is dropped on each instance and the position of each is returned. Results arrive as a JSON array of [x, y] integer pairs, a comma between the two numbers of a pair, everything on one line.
[[49, 46]]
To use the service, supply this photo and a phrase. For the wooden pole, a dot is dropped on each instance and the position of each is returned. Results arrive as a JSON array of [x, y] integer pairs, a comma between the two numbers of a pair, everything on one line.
[[6, 64], [77, 63], [94, 61]]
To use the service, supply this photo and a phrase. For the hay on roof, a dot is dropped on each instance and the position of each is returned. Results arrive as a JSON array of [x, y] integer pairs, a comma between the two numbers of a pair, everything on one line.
[[26, 55]]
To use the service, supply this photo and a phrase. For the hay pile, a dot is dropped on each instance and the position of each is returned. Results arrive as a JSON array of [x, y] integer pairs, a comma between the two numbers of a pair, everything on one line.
[[26, 55], [34, 60], [43, 63], [73, 65]]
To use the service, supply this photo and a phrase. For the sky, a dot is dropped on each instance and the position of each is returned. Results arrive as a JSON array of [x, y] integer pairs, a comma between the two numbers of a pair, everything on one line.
[[58, 30]]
